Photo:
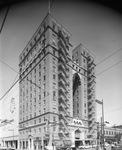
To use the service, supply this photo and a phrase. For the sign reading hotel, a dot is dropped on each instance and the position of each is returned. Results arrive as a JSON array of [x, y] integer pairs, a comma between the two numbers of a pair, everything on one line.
[[77, 122]]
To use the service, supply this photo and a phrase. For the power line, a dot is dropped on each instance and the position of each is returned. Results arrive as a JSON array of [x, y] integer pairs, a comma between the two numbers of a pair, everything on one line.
[[113, 110], [12, 84], [109, 68], [40, 87], [108, 57], [117, 109], [4, 20], [9, 89], [8, 66], [52, 4]]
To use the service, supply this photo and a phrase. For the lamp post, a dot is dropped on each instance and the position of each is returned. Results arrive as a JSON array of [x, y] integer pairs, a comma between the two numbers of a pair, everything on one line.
[[53, 125], [51, 140], [102, 121]]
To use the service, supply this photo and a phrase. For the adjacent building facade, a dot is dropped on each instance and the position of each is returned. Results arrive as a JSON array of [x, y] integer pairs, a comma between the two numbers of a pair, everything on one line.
[[84, 87], [9, 120], [57, 90]]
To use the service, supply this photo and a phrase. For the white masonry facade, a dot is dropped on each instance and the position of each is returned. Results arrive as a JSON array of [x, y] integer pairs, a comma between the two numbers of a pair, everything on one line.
[[53, 109]]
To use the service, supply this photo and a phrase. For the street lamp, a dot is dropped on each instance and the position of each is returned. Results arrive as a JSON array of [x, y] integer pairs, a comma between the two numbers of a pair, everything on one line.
[[53, 125], [51, 135]]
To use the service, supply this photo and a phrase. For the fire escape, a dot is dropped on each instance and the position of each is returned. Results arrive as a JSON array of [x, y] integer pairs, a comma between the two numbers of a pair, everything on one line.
[[91, 98], [63, 76]]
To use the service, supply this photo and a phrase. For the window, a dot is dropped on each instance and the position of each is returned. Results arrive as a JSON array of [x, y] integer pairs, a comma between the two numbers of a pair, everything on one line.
[[54, 76], [40, 66], [54, 128], [44, 101], [54, 69], [39, 81], [39, 104], [54, 85], [30, 95], [34, 121], [34, 131], [39, 129], [44, 25], [44, 77], [54, 26], [77, 104], [39, 120], [40, 97], [76, 53], [54, 52], [54, 109], [54, 93], [73, 57], [39, 73], [44, 62], [40, 112], [54, 118], [40, 31], [54, 61], [44, 70], [44, 94]]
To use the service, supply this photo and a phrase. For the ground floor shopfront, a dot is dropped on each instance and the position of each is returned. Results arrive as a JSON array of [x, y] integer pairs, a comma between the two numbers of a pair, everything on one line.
[[10, 141], [52, 140]]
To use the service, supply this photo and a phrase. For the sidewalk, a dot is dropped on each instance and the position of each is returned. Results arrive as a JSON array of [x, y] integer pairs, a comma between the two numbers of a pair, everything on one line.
[[107, 148]]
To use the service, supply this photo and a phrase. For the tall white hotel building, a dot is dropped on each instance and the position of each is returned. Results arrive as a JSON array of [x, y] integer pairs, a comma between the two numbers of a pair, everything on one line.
[[57, 90]]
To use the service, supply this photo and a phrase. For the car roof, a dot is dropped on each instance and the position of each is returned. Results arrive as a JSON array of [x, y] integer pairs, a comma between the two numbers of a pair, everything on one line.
[[6, 148]]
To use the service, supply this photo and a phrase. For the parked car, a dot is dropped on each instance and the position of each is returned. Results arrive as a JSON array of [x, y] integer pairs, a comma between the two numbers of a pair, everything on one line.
[[85, 146], [106, 144], [94, 145], [81, 147]]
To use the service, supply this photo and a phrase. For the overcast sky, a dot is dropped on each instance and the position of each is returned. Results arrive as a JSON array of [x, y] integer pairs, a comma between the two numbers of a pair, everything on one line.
[[96, 26]]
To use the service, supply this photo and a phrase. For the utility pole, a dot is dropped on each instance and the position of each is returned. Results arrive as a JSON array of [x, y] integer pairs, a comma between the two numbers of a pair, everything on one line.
[[101, 139], [98, 135], [103, 125], [102, 122]]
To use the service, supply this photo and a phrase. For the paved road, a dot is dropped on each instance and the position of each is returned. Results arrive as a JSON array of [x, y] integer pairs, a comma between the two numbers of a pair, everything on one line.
[[118, 148], [107, 148]]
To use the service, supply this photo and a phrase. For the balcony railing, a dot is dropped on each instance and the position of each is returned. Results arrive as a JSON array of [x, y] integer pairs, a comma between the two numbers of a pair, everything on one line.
[[63, 54], [63, 99], [62, 68]]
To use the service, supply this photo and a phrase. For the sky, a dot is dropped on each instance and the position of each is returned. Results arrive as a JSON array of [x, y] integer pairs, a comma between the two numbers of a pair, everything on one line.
[[96, 26]]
